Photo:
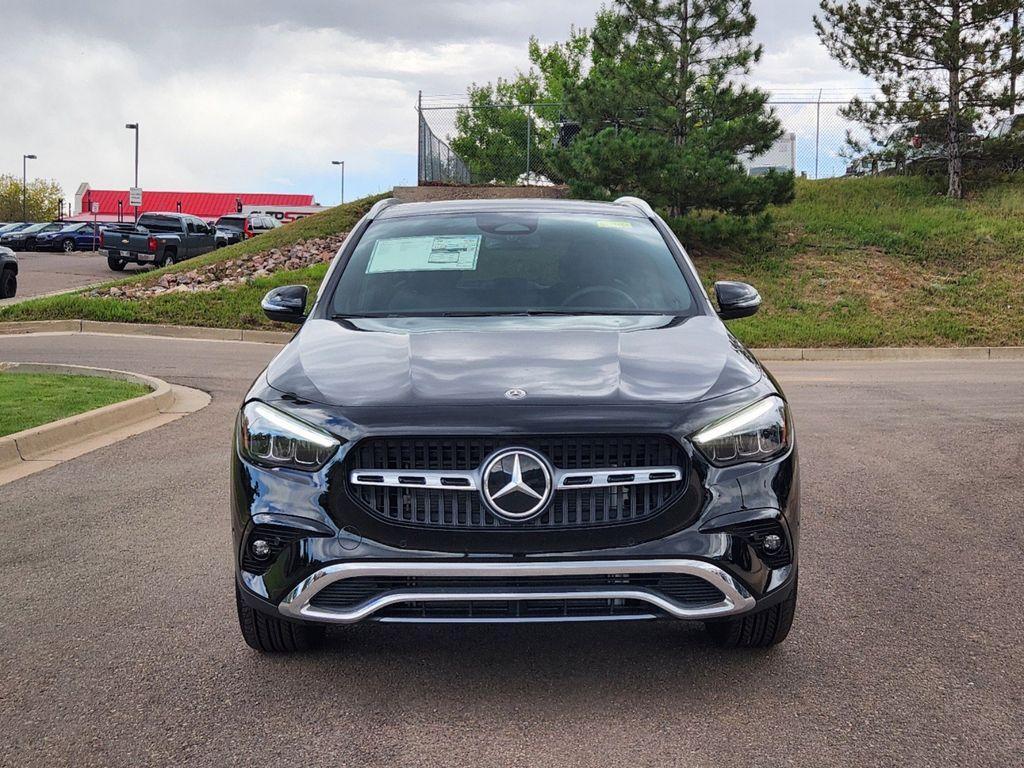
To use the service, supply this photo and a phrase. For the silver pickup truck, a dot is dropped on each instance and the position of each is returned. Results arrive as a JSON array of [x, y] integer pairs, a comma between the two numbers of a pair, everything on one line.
[[157, 238]]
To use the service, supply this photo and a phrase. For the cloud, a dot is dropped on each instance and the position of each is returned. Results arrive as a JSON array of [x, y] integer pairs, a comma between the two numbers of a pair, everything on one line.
[[246, 97]]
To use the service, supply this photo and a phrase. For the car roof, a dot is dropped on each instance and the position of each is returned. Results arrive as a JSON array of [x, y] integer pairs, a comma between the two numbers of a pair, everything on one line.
[[519, 205]]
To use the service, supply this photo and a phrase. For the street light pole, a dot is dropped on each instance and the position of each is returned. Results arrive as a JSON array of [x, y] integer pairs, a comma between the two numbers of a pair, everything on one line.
[[24, 185], [135, 127], [342, 164]]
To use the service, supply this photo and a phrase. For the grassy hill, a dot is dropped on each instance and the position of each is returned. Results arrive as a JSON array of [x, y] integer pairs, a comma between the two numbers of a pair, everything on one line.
[[887, 262], [853, 262]]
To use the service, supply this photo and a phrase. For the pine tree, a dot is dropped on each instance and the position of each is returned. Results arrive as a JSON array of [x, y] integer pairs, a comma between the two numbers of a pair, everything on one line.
[[661, 113], [936, 62]]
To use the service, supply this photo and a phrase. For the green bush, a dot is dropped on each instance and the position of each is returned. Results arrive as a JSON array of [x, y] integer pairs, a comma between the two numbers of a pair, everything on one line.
[[707, 230]]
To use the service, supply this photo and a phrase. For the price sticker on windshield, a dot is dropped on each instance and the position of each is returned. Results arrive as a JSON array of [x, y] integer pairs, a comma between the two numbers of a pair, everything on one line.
[[424, 254]]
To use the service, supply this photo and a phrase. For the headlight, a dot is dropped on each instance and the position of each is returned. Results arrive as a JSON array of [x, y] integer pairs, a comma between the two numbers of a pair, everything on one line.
[[757, 432], [271, 438]]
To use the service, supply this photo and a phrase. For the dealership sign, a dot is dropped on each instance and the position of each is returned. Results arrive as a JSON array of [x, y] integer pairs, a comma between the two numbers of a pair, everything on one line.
[[283, 213]]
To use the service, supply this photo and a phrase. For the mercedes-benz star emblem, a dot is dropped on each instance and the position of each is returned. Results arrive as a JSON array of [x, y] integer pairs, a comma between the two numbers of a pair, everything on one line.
[[517, 483], [515, 393]]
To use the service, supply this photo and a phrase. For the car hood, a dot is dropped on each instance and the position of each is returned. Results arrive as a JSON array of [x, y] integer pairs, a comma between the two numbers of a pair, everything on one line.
[[555, 360]]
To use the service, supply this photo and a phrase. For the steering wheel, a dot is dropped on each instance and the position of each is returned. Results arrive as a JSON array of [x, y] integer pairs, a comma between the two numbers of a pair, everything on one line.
[[571, 300]]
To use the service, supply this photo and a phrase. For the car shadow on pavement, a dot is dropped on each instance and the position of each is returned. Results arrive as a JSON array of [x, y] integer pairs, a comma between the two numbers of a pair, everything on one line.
[[488, 663]]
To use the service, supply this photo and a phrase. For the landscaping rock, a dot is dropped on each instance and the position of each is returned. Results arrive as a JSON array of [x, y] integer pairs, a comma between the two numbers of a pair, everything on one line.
[[231, 272]]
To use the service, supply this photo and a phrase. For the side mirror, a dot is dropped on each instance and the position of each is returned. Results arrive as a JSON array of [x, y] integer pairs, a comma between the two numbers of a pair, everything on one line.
[[736, 300], [286, 304]]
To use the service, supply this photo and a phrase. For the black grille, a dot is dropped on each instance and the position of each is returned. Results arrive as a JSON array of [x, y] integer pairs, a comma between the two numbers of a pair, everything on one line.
[[754, 534], [570, 509], [679, 587], [520, 609]]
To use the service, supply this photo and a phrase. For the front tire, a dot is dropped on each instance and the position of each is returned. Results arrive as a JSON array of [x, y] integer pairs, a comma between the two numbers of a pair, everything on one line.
[[8, 284], [116, 265], [756, 630], [269, 634], [68, 246]]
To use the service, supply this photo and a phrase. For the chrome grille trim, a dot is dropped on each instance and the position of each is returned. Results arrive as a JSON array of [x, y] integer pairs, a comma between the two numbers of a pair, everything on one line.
[[608, 478], [417, 478], [296, 603], [470, 481]]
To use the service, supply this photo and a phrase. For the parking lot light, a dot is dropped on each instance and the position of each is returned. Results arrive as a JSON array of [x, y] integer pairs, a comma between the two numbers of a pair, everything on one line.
[[24, 185], [342, 164], [135, 127]]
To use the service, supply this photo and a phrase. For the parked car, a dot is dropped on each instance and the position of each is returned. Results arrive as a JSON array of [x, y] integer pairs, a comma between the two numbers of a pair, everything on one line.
[[158, 238], [8, 273], [13, 226], [24, 239], [514, 411], [234, 228], [79, 236]]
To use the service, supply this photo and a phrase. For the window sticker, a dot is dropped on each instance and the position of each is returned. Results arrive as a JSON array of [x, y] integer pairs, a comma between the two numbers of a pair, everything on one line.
[[614, 224], [424, 254]]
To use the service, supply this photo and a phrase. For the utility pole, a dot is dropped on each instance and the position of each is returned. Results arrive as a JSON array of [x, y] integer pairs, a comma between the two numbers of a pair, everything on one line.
[[135, 127], [342, 164], [817, 136], [1014, 56], [24, 185], [529, 125]]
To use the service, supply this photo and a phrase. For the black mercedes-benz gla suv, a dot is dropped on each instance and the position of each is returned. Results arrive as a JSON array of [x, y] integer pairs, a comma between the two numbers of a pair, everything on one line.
[[514, 411]]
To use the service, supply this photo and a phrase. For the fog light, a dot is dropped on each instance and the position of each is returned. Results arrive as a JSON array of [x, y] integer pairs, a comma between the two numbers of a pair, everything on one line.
[[261, 548], [772, 543]]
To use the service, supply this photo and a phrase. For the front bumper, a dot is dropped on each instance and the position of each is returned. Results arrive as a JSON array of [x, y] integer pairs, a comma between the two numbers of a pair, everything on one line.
[[327, 547], [609, 583], [299, 602]]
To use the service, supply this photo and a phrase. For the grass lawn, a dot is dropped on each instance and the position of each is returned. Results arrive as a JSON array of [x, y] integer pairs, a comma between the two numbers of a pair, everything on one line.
[[886, 262], [30, 399], [853, 262]]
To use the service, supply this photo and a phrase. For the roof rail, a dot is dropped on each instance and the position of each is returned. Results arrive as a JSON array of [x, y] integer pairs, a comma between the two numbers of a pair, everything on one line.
[[381, 205], [640, 205]]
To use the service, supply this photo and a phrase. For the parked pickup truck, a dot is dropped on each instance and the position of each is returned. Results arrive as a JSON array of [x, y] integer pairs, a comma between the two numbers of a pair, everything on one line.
[[157, 238]]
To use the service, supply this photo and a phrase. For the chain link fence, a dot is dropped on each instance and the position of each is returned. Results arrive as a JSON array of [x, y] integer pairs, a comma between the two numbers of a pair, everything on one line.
[[461, 143]]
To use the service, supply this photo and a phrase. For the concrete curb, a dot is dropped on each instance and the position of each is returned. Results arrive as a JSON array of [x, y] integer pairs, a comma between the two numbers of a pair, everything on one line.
[[903, 354], [39, 442], [135, 329], [770, 354]]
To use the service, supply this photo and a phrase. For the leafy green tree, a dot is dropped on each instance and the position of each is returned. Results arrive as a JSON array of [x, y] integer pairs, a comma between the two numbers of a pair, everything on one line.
[[42, 199], [946, 62], [497, 135], [661, 113]]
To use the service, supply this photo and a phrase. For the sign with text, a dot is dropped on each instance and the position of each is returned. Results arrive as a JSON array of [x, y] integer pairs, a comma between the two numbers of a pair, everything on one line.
[[135, 196], [283, 213]]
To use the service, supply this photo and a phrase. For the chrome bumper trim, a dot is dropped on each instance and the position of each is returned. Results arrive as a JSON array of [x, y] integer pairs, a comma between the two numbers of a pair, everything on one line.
[[296, 603], [565, 479]]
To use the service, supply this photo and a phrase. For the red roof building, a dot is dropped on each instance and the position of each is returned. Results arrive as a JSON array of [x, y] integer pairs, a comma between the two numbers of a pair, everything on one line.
[[205, 205]]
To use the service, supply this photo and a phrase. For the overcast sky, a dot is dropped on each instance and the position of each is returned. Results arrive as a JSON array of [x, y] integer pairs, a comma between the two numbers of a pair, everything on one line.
[[260, 96]]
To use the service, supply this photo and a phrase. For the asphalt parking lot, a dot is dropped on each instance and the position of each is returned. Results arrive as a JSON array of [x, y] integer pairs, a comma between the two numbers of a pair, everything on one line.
[[119, 646], [42, 272]]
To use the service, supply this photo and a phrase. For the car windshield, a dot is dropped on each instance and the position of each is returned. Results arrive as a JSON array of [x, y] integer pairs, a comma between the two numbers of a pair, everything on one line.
[[33, 228], [511, 263], [231, 222]]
